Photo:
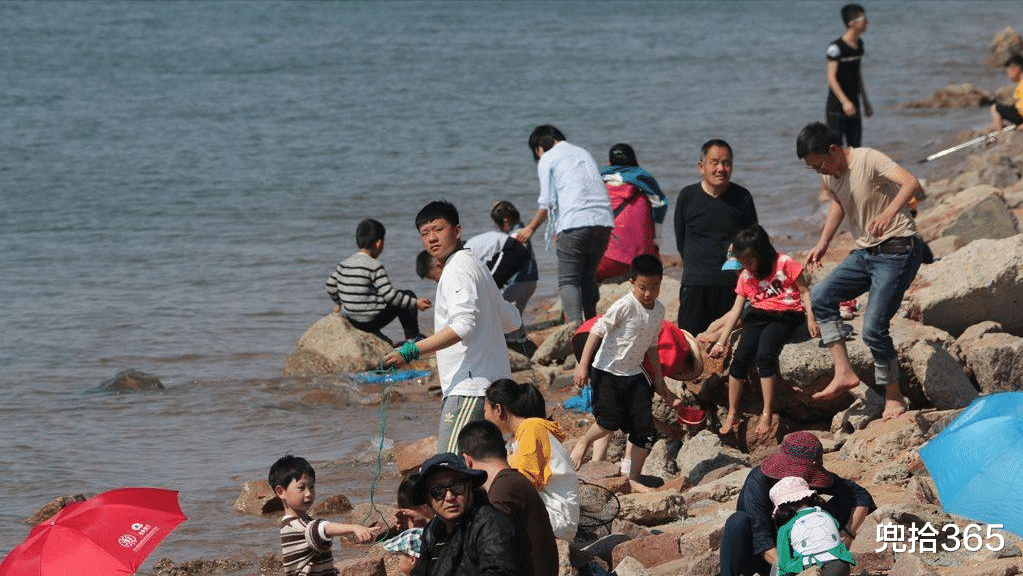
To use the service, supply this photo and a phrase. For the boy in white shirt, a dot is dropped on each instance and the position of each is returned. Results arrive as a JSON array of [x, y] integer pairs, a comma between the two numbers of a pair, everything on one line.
[[616, 346]]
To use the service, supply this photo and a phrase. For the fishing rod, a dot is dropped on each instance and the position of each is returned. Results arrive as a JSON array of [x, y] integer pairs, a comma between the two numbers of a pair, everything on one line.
[[967, 144]]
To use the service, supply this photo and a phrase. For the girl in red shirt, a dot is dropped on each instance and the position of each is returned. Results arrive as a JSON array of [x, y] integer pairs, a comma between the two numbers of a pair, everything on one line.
[[779, 301]]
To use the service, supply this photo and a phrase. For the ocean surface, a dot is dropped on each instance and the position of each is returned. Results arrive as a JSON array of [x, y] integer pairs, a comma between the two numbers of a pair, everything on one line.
[[177, 179]]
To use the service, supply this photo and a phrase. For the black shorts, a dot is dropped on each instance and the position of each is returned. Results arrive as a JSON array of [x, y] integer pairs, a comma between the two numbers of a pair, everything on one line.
[[1009, 114], [624, 403]]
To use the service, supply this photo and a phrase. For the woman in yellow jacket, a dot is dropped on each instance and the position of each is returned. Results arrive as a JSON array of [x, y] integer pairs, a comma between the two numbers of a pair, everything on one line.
[[536, 451]]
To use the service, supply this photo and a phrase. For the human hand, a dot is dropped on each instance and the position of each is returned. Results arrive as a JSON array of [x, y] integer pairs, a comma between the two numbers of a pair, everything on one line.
[[423, 304], [868, 110], [393, 358], [337, 308], [365, 533], [523, 234], [813, 259], [580, 376], [879, 224], [405, 518], [812, 327], [849, 109], [717, 350]]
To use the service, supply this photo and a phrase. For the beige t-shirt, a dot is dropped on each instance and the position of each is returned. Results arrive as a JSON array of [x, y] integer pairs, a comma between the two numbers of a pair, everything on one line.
[[864, 191]]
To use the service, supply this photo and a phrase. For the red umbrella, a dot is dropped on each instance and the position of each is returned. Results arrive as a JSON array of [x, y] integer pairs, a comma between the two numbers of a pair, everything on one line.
[[107, 535]]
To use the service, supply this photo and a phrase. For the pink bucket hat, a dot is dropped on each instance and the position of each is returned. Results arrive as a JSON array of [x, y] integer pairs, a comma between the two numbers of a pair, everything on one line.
[[789, 489], [801, 454]]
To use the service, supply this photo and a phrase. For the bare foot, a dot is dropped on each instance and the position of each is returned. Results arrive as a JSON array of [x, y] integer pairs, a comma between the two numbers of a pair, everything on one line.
[[730, 424], [638, 487], [764, 424], [893, 409], [578, 452], [836, 388]]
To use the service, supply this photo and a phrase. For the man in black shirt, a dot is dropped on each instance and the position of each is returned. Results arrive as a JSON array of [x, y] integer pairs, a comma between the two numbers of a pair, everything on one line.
[[707, 215], [845, 81]]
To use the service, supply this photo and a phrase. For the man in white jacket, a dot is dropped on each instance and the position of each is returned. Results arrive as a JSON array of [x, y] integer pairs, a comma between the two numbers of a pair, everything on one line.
[[470, 320]]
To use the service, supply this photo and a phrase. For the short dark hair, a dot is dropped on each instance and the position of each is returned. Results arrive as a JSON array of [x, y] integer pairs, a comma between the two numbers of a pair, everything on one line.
[[622, 154], [755, 242], [424, 264], [851, 12], [815, 138], [787, 510], [288, 469], [406, 494], [715, 143], [368, 232], [645, 265], [482, 440], [1016, 59], [437, 210], [522, 400], [544, 136], [504, 209]]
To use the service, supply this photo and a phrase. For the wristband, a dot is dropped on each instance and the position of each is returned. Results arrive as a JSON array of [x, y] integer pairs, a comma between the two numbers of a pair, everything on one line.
[[409, 351]]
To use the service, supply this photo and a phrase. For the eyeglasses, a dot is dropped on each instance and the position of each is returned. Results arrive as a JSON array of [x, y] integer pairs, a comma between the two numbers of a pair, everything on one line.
[[456, 489], [818, 167]]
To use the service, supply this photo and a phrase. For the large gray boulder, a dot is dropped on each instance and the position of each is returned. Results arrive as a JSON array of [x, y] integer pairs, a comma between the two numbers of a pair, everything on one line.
[[940, 375], [333, 346], [994, 357], [705, 452], [975, 213], [983, 281]]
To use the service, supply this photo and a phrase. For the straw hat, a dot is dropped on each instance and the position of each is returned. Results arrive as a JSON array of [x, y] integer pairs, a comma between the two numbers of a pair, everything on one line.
[[800, 454]]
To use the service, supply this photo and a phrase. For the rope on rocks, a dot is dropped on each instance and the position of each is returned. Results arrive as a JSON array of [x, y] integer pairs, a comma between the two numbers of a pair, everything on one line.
[[384, 411]]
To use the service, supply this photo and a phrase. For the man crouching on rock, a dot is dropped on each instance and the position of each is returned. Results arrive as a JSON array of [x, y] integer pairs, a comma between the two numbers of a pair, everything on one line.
[[874, 190], [468, 535]]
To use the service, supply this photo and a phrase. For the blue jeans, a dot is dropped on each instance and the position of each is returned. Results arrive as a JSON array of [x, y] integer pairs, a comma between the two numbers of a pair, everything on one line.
[[579, 254], [886, 273]]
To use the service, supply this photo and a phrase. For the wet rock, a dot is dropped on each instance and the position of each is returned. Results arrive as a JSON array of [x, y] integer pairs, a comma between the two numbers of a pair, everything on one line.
[[705, 452], [408, 458], [131, 381], [331, 345], [50, 509], [200, 566], [1003, 45], [652, 508], [257, 498], [371, 564], [975, 213], [332, 505], [995, 359], [983, 281], [964, 95]]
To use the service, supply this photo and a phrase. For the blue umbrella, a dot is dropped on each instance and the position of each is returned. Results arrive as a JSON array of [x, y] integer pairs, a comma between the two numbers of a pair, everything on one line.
[[977, 461]]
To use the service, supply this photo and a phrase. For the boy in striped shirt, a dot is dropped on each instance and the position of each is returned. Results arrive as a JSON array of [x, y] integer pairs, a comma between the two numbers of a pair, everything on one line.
[[305, 542], [364, 293]]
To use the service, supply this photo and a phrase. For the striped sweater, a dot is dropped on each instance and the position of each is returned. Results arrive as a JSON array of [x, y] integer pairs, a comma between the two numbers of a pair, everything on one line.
[[304, 550], [361, 287]]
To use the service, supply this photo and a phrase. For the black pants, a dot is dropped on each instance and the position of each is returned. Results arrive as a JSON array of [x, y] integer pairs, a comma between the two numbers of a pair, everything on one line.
[[698, 306], [409, 320], [763, 335], [848, 127]]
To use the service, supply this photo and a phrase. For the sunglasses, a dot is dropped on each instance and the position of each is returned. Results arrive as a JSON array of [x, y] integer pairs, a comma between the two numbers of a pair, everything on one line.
[[456, 488]]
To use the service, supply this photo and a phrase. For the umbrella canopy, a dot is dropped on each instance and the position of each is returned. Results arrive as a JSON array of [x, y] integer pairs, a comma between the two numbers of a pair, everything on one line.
[[977, 460], [109, 534]]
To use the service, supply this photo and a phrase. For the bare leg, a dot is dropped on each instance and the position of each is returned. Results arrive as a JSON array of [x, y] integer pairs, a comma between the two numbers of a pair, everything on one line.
[[767, 387], [638, 459], [996, 120], [734, 396], [600, 446], [579, 450], [845, 377]]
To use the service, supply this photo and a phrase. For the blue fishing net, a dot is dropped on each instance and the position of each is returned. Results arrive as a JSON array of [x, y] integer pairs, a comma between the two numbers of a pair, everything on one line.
[[581, 402], [389, 376]]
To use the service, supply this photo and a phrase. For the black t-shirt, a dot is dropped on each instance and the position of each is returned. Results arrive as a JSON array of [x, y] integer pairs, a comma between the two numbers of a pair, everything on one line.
[[848, 59], [705, 226]]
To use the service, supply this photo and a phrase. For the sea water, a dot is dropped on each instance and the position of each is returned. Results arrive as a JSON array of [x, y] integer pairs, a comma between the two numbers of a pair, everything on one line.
[[177, 180]]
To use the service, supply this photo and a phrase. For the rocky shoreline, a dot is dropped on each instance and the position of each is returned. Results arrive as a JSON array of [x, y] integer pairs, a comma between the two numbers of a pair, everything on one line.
[[959, 334]]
